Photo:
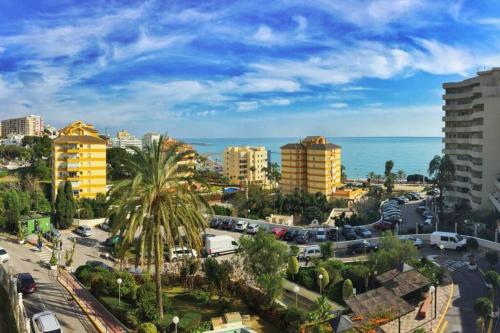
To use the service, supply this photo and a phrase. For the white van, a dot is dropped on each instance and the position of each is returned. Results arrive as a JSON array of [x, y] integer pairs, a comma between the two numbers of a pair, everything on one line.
[[310, 252], [219, 245], [177, 253], [449, 240]]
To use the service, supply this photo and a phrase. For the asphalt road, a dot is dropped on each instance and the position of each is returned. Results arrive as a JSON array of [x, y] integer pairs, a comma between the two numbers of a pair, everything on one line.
[[50, 296]]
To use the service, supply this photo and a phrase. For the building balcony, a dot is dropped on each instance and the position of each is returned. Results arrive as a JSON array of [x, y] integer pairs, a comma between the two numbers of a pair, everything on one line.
[[73, 151], [73, 179], [495, 200], [460, 107]]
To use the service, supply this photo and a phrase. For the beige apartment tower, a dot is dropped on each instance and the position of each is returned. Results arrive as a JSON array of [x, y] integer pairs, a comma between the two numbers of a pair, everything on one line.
[[472, 139], [245, 164], [312, 165], [29, 125], [79, 156]]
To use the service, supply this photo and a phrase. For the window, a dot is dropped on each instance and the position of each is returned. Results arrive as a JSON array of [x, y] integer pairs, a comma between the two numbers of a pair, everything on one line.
[[444, 238]]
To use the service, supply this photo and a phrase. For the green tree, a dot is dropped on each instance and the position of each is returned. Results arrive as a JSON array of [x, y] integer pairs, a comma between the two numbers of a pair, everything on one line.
[[147, 328], [294, 250], [293, 266], [160, 201], [320, 312], [392, 252], [491, 257], [493, 279], [325, 280], [12, 208], [343, 174], [347, 289], [313, 213], [39, 202], [40, 170], [326, 249], [64, 206], [389, 176], [268, 273], [118, 163], [483, 307], [442, 171], [401, 176], [218, 274]]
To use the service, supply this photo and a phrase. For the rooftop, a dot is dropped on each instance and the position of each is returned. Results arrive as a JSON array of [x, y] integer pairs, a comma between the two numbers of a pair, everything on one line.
[[378, 300], [403, 280]]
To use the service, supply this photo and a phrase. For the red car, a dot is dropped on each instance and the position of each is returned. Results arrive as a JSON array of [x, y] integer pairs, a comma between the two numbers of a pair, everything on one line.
[[279, 232], [384, 225], [25, 283]]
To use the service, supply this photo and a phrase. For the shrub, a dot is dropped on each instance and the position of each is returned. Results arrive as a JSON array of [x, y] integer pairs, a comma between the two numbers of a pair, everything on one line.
[[146, 302], [293, 266], [84, 274], [483, 307], [334, 292], [189, 321], [128, 286], [491, 257], [123, 310], [325, 280], [306, 277], [347, 289], [492, 278], [102, 283], [293, 319], [147, 328], [201, 297]]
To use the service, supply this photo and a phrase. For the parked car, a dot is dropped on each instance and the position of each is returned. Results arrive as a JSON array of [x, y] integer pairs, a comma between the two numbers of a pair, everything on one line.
[[399, 200], [25, 283], [361, 247], [416, 241], [383, 225], [84, 231], [241, 226], [105, 226], [220, 245], [290, 235], [348, 232], [45, 322], [449, 240], [52, 235], [404, 199], [228, 224], [215, 223], [321, 235], [98, 264], [333, 234], [252, 228], [112, 241], [279, 232], [180, 252], [268, 229], [310, 252], [363, 232], [4, 256], [303, 237], [427, 215]]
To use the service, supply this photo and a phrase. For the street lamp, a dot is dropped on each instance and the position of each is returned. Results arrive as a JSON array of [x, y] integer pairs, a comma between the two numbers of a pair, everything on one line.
[[296, 291], [107, 257], [433, 290], [175, 320], [441, 247], [119, 281], [320, 277]]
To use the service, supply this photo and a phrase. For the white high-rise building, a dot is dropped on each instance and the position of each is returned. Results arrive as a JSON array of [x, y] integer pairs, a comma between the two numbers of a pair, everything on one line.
[[125, 140], [472, 139], [30, 125], [150, 138]]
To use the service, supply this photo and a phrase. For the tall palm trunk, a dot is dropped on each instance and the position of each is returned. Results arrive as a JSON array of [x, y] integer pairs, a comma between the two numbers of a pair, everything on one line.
[[158, 269]]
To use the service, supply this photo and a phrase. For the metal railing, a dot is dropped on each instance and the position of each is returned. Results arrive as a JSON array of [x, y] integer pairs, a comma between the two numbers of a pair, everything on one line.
[[8, 282]]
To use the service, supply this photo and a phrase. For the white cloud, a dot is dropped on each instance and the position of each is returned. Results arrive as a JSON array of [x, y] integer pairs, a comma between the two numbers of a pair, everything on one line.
[[206, 113], [263, 84], [264, 34], [440, 58], [301, 23], [491, 21], [276, 101], [339, 105], [246, 106]]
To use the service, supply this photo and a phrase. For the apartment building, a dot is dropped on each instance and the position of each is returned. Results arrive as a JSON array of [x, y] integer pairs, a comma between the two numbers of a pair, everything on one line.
[[30, 125], [149, 138], [125, 140], [472, 139], [79, 156], [189, 158], [245, 164], [312, 165]]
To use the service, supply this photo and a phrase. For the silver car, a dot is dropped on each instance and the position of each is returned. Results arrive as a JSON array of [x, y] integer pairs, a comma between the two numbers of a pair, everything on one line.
[[46, 322], [416, 241], [252, 228], [84, 231]]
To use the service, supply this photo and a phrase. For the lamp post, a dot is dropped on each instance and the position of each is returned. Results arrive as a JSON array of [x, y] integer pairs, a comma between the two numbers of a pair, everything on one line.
[[320, 277], [119, 281], [441, 247], [107, 257], [175, 320], [296, 291]]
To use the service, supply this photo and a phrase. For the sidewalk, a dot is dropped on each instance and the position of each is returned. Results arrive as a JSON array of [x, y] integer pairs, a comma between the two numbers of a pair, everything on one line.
[[308, 294], [102, 319]]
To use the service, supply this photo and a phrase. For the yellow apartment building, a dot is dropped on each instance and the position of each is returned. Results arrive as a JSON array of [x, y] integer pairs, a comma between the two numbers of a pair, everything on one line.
[[312, 165], [79, 156], [189, 159], [245, 164]]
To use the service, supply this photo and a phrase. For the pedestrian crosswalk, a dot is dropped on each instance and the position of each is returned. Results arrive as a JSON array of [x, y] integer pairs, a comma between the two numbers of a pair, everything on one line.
[[453, 265], [45, 254]]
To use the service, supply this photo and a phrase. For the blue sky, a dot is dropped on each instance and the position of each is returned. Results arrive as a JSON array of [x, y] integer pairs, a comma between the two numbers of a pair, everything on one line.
[[243, 68]]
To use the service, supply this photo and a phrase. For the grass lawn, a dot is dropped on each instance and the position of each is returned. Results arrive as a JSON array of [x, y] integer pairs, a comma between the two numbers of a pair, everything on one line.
[[9, 179], [183, 303]]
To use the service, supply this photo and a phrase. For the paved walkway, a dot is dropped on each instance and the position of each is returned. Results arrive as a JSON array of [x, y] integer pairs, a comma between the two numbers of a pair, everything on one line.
[[98, 314], [308, 294]]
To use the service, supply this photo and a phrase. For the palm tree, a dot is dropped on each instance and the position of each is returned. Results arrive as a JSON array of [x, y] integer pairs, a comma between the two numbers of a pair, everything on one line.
[[442, 170], [343, 174], [371, 176], [401, 175], [158, 204]]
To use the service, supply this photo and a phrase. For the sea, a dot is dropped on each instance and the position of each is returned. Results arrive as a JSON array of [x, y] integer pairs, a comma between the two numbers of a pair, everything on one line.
[[360, 155]]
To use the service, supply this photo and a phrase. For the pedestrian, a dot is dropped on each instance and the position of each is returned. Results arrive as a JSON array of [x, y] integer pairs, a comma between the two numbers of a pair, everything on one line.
[[60, 244]]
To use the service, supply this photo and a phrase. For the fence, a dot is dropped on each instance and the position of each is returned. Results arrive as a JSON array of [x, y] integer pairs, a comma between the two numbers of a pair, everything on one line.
[[102, 319], [15, 299]]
